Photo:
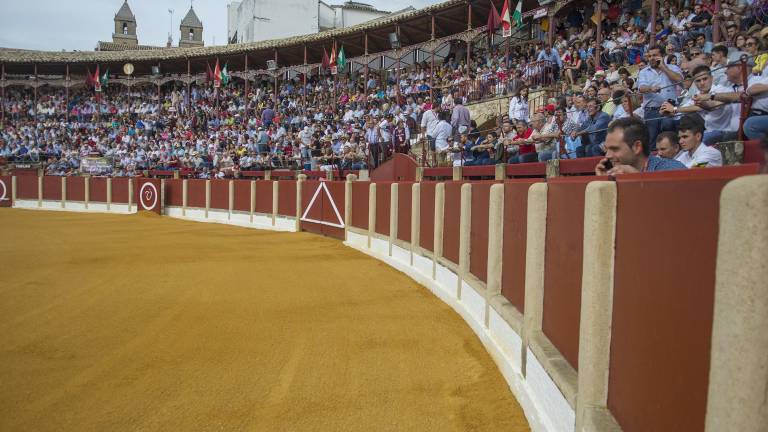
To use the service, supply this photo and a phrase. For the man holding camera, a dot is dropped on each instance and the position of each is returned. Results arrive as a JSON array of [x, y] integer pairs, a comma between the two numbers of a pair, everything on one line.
[[657, 84]]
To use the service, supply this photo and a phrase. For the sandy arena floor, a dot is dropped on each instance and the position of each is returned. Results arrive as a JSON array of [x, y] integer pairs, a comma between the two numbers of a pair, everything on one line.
[[142, 323]]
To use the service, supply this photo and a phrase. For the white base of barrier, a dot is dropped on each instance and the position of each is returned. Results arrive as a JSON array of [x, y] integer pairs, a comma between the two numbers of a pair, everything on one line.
[[241, 219], [74, 206], [545, 407]]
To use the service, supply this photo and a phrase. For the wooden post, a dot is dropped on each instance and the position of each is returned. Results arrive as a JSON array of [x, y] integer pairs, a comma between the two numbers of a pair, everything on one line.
[[304, 89], [365, 46], [599, 35], [654, 12], [551, 29], [276, 75], [66, 92], [716, 24], [189, 85], [398, 53], [432, 68], [246, 89]]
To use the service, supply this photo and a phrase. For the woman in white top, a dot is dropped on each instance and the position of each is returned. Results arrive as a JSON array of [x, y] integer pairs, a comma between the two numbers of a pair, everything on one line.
[[518, 105]]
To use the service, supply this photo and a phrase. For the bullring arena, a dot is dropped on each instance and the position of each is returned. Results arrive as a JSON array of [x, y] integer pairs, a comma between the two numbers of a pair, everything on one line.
[[118, 318], [438, 227]]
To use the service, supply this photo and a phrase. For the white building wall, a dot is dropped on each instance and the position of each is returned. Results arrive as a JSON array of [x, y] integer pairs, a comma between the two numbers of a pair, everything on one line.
[[274, 19], [350, 17], [327, 16], [286, 18]]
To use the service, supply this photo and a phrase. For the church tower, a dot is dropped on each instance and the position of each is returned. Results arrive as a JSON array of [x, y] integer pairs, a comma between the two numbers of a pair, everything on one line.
[[191, 30], [125, 26]]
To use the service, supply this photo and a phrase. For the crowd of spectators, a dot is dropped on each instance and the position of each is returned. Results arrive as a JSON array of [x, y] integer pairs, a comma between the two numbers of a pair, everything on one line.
[[667, 77]]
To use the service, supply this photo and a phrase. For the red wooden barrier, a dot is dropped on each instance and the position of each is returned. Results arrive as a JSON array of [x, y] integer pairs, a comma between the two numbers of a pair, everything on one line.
[[438, 172], [451, 221], [242, 201], [174, 192], [120, 190], [360, 191], [581, 166], [26, 187], [98, 189], [264, 196], [562, 264], [383, 192], [666, 253], [323, 203], [533, 169], [427, 219], [287, 203], [404, 192], [479, 171], [478, 234], [52, 188], [312, 216], [5, 191], [514, 238], [196, 193], [76, 188], [220, 194]]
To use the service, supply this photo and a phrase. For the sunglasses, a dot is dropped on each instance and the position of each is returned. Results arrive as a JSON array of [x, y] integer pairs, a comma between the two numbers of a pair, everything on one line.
[[750, 44]]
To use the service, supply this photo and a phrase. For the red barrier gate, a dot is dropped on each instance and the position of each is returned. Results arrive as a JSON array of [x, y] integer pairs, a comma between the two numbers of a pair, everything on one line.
[[323, 203], [5, 191], [147, 195], [76, 188]]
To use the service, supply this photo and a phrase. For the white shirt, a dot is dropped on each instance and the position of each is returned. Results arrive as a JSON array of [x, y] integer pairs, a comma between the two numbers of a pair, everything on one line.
[[442, 133], [704, 156], [759, 102], [657, 78], [429, 122], [518, 109], [720, 118]]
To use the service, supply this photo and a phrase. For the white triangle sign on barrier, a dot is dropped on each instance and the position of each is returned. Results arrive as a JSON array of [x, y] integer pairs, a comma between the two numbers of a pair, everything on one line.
[[322, 187]]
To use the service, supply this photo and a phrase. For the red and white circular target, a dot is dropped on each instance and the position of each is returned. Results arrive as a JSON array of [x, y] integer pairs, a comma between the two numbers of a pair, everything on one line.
[[148, 196]]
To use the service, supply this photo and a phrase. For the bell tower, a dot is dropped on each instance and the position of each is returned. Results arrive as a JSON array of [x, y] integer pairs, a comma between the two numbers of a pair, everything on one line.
[[125, 26], [191, 30]]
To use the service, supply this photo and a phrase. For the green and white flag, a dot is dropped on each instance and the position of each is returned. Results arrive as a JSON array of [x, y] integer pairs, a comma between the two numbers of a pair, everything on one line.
[[341, 61], [517, 16], [224, 75]]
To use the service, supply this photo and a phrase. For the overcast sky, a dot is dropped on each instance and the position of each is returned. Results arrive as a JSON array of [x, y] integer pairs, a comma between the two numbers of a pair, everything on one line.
[[54, 25]]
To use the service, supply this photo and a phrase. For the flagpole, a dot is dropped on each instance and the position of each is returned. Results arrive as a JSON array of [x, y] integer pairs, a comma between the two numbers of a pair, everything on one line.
[[215, 89]]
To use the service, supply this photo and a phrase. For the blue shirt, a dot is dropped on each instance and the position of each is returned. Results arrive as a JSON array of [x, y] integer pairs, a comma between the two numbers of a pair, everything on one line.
[[552, 57], [597, 127], [656, 78], [656, 163]]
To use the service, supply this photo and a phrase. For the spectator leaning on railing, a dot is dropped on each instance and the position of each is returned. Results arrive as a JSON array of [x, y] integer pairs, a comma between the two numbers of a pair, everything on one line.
[[628, 150]]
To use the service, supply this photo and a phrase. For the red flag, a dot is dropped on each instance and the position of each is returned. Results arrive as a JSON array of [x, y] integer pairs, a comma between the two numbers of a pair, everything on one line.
[[88, 77], [217, 75], [332, 61], [208, 73], [96, 81], [506, 21], [326, 62], [494, 20]]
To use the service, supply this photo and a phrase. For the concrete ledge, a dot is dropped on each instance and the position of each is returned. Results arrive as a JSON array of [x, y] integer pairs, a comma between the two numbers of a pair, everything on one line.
[[73, 206]]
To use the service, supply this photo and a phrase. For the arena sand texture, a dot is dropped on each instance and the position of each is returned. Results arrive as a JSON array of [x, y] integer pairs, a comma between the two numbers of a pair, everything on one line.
[[142, 323]]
